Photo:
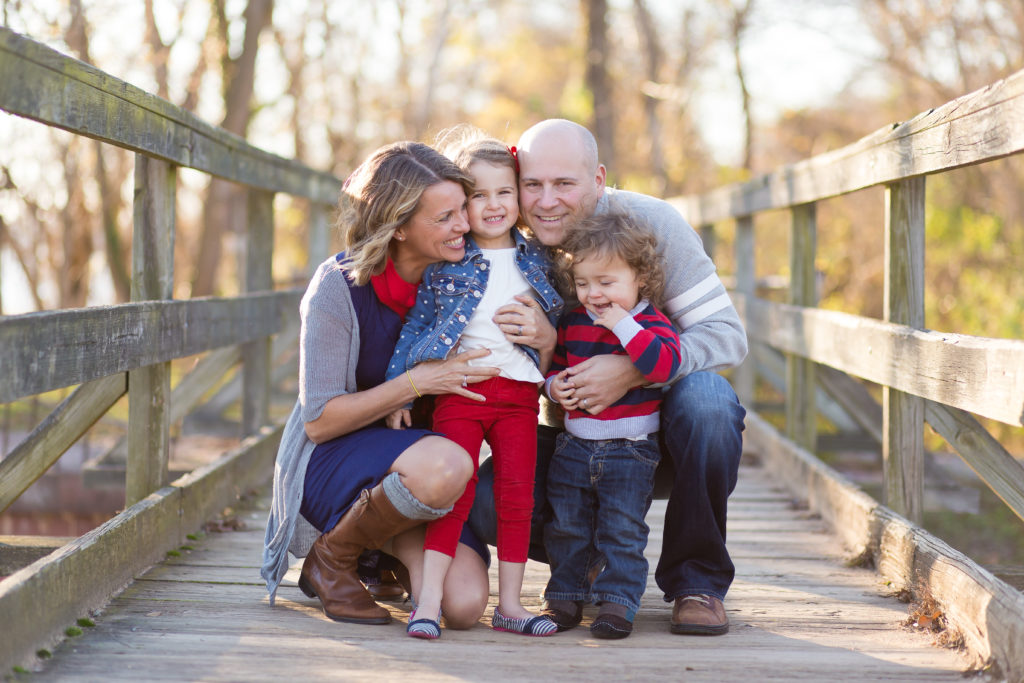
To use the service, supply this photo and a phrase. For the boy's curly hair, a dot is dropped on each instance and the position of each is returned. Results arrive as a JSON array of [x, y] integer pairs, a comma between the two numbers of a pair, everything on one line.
[[615, 233]]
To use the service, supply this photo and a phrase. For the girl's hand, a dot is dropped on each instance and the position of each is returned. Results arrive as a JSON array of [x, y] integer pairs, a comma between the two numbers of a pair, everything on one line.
[[611, 316], [602, 380], [399, 419], [452, 376], [525, 323]]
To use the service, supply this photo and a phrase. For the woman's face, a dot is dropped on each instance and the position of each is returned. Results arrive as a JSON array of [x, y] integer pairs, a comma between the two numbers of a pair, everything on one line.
[[436, 231]]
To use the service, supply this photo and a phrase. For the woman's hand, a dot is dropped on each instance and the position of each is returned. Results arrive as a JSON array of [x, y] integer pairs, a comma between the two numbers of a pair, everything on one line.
[[525, 323], [602, 380], [452, 376]]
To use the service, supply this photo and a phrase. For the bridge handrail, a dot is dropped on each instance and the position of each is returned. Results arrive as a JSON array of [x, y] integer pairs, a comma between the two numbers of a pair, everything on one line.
[[41, 84], [938, 377], [113, 350], [981, 126]]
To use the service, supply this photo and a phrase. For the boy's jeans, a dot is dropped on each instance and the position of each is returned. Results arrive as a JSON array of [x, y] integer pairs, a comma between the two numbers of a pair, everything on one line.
[[599, 491], [702, 438]]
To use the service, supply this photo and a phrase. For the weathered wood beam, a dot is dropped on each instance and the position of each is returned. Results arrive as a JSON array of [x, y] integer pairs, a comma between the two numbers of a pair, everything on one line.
[[56, 434], [801, 409], [981, 126], [17, 552], [149, 387], [744, 377], [1002, 472], [903, 413], [49, 350], [988, 612], [976, 374], [41, 84], [258, 277], [46, 596]]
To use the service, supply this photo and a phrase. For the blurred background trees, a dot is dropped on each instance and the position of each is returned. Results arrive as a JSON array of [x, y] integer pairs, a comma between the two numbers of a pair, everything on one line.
[[660, 83]]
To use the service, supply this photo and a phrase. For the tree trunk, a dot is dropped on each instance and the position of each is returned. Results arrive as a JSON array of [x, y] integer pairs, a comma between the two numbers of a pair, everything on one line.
[[597, 80], [652, 63], [225, 207]]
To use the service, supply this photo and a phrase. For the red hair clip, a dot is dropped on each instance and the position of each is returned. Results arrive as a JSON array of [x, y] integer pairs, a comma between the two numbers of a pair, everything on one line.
[[515, 156]]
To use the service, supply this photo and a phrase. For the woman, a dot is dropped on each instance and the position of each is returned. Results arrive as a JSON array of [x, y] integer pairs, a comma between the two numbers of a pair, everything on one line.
[[343, 481]]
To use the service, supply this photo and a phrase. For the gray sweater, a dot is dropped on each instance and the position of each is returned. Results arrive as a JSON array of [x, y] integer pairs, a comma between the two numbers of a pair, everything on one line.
[[328, 353]]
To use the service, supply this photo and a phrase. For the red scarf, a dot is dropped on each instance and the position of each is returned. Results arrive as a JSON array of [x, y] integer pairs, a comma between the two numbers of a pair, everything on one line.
[[393, 291]]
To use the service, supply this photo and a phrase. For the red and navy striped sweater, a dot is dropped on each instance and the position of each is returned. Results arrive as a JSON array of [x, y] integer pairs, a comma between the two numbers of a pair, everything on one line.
[[649, 340]]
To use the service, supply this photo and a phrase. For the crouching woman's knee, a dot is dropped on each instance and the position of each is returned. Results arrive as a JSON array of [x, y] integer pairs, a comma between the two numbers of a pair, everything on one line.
[[435, 470]]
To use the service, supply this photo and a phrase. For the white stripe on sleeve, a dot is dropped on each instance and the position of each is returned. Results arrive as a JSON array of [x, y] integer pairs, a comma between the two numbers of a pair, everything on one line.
[[704, 310], [692, 295]]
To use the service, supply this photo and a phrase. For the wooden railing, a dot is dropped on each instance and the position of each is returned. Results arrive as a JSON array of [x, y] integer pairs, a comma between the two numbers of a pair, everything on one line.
[[939, 377], [110, 350]]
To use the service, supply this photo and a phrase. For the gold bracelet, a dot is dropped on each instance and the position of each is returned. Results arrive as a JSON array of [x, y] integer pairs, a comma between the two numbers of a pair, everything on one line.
[[418, 394]]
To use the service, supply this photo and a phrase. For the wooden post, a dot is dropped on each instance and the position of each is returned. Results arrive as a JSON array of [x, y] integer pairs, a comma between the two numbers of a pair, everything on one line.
[[903, 414], [258, 277], [319, 236], [801, 410], [707, 236], [746, 277], [149, 388]]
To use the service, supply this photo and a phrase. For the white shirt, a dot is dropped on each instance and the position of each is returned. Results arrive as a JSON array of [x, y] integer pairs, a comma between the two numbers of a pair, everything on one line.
[[503, 284]]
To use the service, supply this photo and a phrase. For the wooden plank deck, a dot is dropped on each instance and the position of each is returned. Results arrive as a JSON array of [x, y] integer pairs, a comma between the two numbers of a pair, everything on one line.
[[797, 613]]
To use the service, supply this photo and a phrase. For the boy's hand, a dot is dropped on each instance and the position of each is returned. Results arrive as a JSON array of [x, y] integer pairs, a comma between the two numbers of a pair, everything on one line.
[[611, 316], [400, 417], [563, 392]]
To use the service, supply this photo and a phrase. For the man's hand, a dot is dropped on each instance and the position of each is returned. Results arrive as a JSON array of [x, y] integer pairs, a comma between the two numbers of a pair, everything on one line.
[[602, 380]]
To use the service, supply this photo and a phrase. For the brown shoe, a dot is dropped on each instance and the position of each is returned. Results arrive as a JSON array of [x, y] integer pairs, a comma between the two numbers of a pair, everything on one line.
[[330, 569], [386, 587], [699, 615]]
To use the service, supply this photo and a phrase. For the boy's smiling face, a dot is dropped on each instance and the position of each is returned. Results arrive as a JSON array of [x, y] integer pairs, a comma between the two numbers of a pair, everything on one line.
[[605, 280]]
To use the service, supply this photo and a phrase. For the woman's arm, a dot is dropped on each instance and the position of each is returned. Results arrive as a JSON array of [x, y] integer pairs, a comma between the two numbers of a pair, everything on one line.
[[348, 412]]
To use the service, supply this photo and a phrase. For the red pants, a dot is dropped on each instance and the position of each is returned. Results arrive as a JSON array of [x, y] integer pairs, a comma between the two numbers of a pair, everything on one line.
[[508, 421]]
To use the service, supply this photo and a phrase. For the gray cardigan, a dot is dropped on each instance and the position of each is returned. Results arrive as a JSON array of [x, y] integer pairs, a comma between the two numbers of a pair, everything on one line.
[[328, 354]]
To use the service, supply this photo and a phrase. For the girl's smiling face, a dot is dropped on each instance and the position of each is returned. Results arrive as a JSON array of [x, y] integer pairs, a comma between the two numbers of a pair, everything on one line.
[[493, 205], [605, 280]]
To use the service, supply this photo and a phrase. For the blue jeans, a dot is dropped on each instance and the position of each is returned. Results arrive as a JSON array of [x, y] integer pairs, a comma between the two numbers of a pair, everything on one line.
[[600, 491], [702, 433]]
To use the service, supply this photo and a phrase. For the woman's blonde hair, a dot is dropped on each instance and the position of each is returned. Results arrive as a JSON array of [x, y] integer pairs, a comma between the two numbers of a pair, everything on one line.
[[381, 195], [615, 234]]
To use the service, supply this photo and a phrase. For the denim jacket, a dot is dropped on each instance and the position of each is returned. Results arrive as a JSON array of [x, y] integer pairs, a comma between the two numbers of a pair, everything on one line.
[[450, 293]]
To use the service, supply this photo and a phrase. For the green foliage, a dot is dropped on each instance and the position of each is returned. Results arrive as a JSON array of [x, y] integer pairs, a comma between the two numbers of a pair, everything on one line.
[[173, 553], [43, 653], [86, 622], [72, 631]]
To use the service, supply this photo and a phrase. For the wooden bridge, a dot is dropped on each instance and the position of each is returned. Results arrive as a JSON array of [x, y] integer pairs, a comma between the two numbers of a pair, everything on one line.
[[820, 563]]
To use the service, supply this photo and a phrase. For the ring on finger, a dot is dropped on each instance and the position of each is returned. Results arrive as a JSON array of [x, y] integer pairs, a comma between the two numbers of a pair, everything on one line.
[[465, 380], [520, 330], [584, 403]]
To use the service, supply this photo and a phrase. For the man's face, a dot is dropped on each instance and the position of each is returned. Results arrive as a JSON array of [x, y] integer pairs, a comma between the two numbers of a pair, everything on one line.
[[556, 187]]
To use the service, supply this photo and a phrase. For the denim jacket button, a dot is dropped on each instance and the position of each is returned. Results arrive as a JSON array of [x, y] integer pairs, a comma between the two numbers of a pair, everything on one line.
[[450, 287], [462, 318], [476, 294]]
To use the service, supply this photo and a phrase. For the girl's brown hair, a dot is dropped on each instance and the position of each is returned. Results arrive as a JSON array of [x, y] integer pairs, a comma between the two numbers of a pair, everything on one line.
[[615, 233], [381, 195]]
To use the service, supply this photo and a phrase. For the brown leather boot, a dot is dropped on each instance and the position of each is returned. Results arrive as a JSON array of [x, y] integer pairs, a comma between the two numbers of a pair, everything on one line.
[[329, 571]]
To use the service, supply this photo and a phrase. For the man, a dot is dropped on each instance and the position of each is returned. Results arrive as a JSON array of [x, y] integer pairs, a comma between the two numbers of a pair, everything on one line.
[[561, 181]]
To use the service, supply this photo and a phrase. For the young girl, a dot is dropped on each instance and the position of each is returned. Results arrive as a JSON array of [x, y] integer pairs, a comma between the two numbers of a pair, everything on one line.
[[455, 309], [602, 472]]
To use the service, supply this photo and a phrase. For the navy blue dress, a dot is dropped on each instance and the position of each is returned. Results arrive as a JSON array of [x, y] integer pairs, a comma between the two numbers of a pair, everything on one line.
[[341, 468]]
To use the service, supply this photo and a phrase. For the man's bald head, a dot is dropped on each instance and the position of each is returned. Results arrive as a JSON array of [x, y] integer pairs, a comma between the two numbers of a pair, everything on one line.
[[562, 133], [560, 179]]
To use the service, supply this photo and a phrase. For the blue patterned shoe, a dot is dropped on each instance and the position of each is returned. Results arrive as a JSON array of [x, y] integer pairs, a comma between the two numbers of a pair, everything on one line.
[[427, 629], [534, 626]]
